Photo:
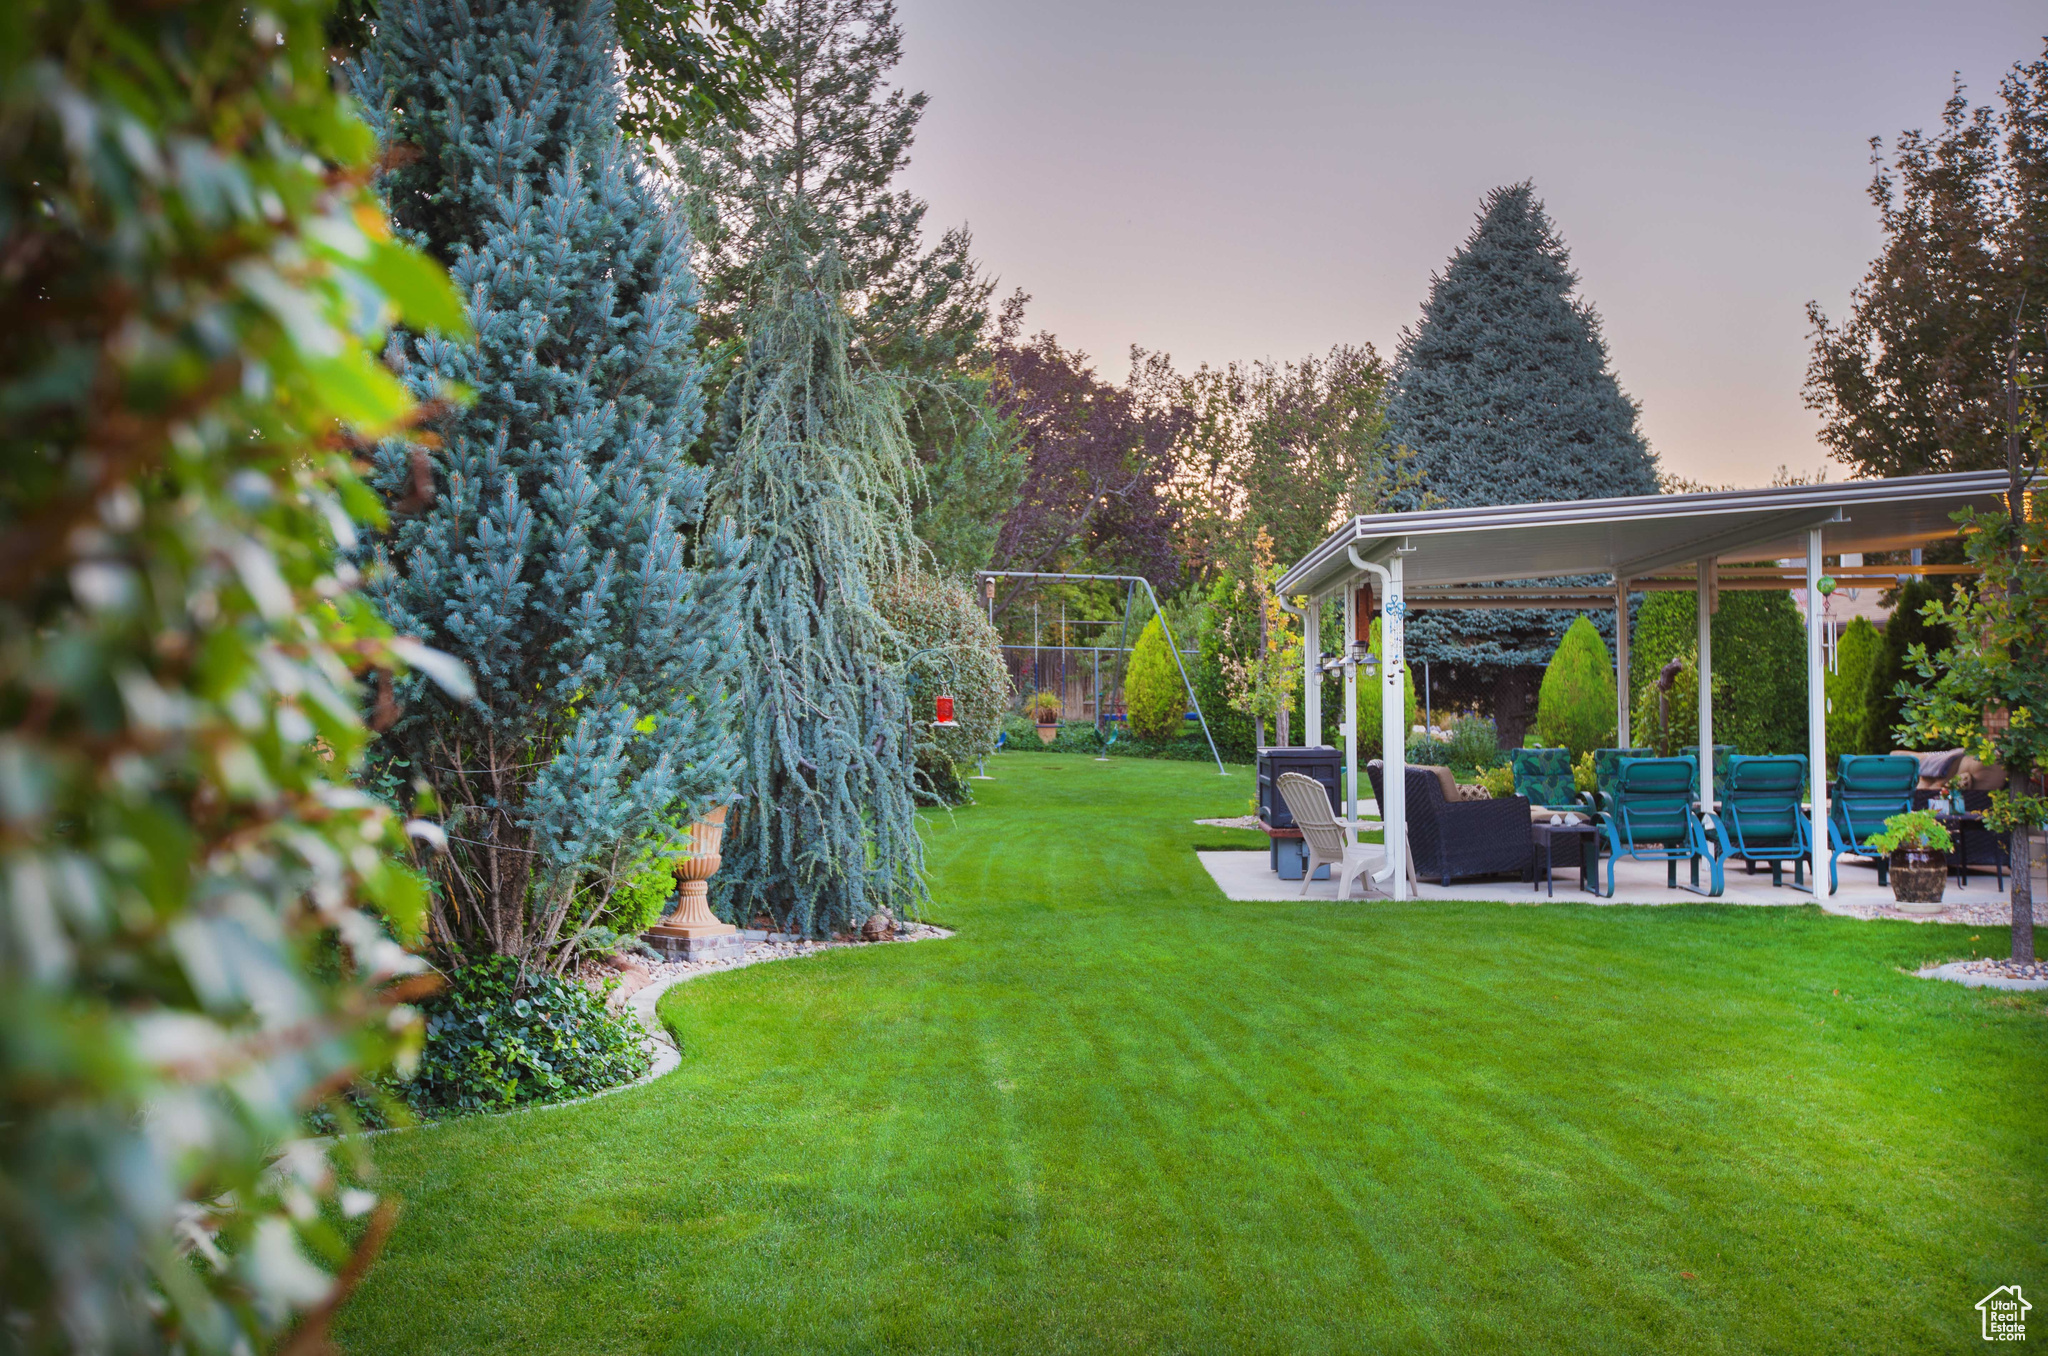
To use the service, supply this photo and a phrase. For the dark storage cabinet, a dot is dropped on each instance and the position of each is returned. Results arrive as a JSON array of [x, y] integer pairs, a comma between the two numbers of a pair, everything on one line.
[[1319, 761]]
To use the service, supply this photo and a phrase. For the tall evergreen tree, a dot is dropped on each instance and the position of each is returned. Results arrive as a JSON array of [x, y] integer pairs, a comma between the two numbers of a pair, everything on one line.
[[1504, 395], [826, 144], [549, 543], [813, 461]]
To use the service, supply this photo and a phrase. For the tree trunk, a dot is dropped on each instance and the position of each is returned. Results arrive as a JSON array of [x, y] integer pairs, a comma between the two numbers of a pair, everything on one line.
[[2023, 894], [1511, 706], [2020, 778]]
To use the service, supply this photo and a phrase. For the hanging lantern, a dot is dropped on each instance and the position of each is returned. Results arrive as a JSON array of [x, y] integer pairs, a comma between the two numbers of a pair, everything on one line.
[[945, 713]]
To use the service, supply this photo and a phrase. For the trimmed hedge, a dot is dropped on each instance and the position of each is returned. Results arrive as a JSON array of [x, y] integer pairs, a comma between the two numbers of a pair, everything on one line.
[[1759, 667], [1078, 736], [1856, 653]]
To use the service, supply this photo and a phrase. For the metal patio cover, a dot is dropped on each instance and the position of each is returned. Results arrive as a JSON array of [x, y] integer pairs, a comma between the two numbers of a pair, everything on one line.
[[1434, 551], [1633, 537]]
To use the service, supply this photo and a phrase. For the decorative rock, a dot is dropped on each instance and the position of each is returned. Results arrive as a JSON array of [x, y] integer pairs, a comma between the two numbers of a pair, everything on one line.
[[880, 927]]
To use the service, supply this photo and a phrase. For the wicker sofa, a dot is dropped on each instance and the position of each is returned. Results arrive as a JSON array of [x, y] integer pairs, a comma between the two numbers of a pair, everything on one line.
[[1457, 840]]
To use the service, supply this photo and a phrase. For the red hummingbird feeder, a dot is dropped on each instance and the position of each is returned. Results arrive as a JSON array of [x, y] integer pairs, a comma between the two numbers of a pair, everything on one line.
[[945, 712]]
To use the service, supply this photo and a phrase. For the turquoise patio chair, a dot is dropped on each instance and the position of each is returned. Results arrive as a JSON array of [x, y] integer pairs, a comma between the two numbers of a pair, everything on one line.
[[1652, 818], [1544, 776], [1606, 768], [1760, 810], [1868, 790]]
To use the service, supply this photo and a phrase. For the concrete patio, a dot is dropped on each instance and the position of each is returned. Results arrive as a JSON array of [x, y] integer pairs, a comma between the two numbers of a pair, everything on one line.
[[1248, 876]]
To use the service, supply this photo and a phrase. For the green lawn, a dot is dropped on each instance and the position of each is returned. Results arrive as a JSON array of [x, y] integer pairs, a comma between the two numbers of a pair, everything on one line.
[[1118, 1112]]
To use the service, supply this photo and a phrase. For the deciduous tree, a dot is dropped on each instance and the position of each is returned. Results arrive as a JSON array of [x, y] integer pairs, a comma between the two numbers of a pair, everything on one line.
[[1912, 382], [1098, 462]]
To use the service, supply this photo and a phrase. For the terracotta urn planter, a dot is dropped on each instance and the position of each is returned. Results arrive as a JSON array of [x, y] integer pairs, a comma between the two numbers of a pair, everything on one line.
[[1048, 731], [693, 929], [1919, 879]]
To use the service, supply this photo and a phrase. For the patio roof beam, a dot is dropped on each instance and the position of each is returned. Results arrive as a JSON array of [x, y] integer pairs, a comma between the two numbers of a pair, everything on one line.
[[1728, 540]]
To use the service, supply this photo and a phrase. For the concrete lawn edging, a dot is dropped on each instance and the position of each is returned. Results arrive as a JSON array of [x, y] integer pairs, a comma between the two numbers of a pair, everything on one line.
[[1960, 972]]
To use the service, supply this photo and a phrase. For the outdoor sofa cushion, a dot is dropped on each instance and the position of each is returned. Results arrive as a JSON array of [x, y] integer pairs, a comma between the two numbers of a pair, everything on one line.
[[1936, 766], [1444, 778], [1947, 768]]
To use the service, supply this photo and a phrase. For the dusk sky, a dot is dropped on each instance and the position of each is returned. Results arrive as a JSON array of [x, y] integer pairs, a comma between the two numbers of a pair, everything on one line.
[[1244, 181]]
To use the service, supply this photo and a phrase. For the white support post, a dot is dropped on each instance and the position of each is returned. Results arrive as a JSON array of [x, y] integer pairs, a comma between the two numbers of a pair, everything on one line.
[[1621, 662], [1394, 730], [1350, 726], [1816, 715], [1706, 667], [1311, 673]]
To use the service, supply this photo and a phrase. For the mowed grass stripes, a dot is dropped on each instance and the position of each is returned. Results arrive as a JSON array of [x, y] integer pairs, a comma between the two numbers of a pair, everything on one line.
[[1118, 1112]]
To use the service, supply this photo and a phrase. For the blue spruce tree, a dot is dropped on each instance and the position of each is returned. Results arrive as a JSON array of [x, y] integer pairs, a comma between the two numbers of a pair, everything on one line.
[[1503, 395], [815, 465], [552, 541]]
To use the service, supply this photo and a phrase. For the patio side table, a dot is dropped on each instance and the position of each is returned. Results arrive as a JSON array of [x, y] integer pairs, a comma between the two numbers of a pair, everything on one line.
[[1961, 826], [1583, 836]]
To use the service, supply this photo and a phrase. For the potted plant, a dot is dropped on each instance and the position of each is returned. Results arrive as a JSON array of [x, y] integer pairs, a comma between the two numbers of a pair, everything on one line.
[[1918, 844], [1044, 708]]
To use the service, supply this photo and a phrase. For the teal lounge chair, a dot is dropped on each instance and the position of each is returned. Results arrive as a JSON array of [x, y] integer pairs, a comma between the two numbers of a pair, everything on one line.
[[1606, 768], [1545, 776], [1868, 790], [1760, 810], [1653, 818]]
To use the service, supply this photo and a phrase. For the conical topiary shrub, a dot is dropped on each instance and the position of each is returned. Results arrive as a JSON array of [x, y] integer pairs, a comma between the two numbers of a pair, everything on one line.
[[1575, 708], [1154, 697]]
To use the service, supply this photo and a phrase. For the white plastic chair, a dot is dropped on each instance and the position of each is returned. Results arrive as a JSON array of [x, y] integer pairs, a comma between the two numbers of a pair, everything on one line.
[[1330, 842]]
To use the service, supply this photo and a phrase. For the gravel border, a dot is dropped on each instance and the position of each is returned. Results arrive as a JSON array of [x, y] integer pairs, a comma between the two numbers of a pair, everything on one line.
[[1994, 913]]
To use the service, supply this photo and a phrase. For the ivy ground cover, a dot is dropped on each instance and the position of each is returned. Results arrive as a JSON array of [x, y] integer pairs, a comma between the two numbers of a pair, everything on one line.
[[1117, 1112]]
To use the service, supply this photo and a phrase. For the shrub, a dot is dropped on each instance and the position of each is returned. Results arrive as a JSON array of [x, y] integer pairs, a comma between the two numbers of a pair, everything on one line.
[[639, 899], [1583, 775], [957, 654], [497, 1040], [1474, 744], [1154, 698], [1856, 652], [1422, 751], [1499, 780], [1575, 707]]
